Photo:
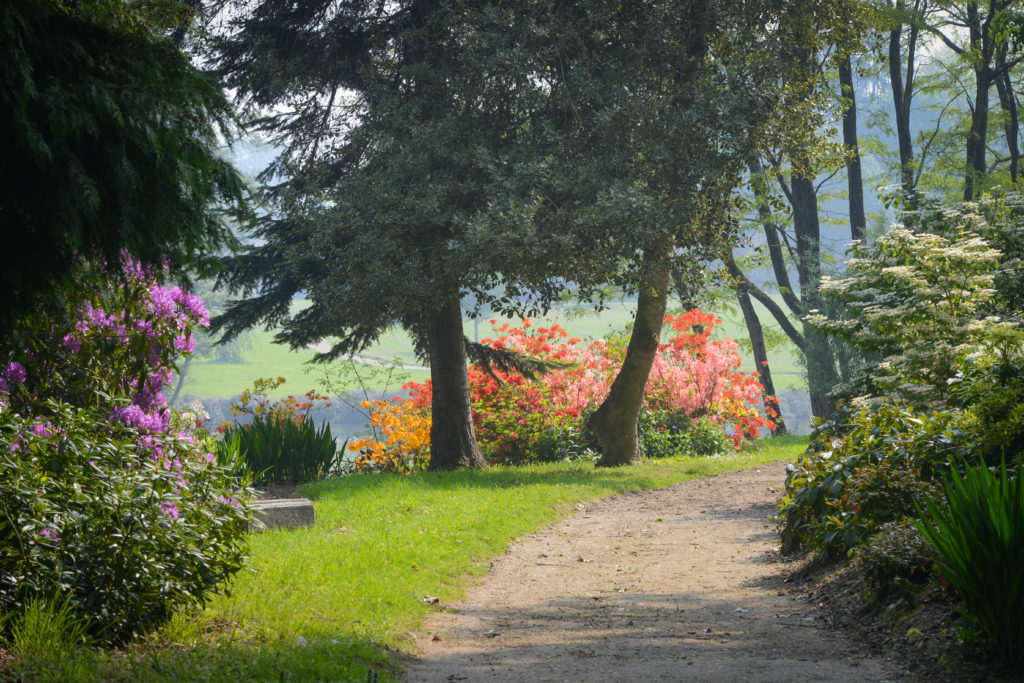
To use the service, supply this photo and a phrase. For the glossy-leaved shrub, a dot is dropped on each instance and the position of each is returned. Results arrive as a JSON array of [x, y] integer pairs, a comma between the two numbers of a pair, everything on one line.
[[108, 497], [862, 469], [896, 561], [127, 533]]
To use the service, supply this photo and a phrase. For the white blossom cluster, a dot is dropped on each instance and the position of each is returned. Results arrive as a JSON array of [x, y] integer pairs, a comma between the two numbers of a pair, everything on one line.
[[912, 300]]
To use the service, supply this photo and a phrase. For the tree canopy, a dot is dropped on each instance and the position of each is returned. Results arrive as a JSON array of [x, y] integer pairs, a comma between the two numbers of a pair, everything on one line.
[[430, 150], [406, 158], [110, 145], [673, 99]]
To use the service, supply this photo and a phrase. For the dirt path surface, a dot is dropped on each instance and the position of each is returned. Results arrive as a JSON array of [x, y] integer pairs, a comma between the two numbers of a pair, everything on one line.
[[681, 583]]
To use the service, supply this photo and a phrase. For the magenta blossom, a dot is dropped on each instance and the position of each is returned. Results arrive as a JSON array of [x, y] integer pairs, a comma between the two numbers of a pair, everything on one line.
[[49, 534], [72, 343], [15, 372], [168, 509], [40, 429]]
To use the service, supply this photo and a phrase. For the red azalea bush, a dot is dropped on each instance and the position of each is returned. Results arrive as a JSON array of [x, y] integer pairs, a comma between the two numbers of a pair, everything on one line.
[[694, 380]]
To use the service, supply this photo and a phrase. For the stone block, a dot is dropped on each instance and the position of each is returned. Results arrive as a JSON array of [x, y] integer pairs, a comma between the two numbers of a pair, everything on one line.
[[283, 513]]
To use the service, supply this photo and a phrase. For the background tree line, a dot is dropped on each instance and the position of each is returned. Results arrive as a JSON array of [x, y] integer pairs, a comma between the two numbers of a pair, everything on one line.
[[939, 83]]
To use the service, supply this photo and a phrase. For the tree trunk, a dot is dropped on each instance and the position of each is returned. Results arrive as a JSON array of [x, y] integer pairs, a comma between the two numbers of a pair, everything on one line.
[[1008, 101], [774, 244], [821, 371], [976, 138], [981, 47], [771, 402], [687, 298], [452, 439], [902, 96], [181, 380], [615, 422], [854, 181]]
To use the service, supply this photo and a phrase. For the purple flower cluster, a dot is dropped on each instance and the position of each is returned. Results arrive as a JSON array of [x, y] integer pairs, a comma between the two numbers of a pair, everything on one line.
[[169, 509], [146, 421], [14, 373], [40, 429], [49, 534], [136, 313], [161, 315]]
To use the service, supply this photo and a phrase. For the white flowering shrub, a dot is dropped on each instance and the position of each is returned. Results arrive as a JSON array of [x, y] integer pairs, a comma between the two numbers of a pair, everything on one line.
[[912, 303]]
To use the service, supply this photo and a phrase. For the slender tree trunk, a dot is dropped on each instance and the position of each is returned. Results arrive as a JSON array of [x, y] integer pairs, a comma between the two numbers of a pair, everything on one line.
[[615, 421], [1008, 101], [181, 381], [981, 47], [687, 300], [452, 439], [774, 244], [771, 401], [902, 96], [855, 183], [821, 371], [976, 138]]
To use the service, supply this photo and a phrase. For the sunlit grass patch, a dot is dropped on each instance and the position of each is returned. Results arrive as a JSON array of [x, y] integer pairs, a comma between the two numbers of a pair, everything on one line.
[[331, 601]]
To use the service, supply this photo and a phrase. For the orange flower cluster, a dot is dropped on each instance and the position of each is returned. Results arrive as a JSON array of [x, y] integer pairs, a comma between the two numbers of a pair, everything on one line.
[[405, 430]]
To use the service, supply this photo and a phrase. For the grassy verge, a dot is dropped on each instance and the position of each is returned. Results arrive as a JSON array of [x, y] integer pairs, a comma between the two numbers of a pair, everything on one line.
[[329, 602]]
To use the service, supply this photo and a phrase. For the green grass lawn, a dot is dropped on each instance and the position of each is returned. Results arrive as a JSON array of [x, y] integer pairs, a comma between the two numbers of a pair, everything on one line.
[[267, 359], [329, 602]]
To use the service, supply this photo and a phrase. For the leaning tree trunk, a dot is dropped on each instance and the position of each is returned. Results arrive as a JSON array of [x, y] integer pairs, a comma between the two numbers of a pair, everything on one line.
[[756, 332], [616, 421], [452, 439]]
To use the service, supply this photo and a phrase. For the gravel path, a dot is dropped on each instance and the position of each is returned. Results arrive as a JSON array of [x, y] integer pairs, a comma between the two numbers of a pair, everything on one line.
[[681, 583]]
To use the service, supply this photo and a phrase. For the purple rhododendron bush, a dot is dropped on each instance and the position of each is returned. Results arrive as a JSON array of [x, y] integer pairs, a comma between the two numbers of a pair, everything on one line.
[[109, 499]]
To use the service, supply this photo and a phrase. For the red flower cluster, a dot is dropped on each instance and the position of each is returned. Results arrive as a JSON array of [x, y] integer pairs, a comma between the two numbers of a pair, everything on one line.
[[693, 375]]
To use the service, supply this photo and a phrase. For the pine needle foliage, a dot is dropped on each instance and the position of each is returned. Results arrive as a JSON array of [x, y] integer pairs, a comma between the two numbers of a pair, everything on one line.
[[110, 139]]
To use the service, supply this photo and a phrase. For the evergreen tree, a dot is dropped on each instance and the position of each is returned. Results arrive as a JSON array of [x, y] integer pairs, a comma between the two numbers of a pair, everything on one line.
[[409, 134], [109, 144]]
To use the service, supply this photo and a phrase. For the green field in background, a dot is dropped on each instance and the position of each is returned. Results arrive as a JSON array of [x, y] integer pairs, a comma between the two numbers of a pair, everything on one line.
[[266, 359]]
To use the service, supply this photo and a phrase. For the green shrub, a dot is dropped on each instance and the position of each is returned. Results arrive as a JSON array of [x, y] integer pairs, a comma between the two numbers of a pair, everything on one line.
[[275, 450], [896, 451], [896, 560], [990, 389], [665, 433], [562, 444], [706, 439], [979, 537], [127, 532]]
